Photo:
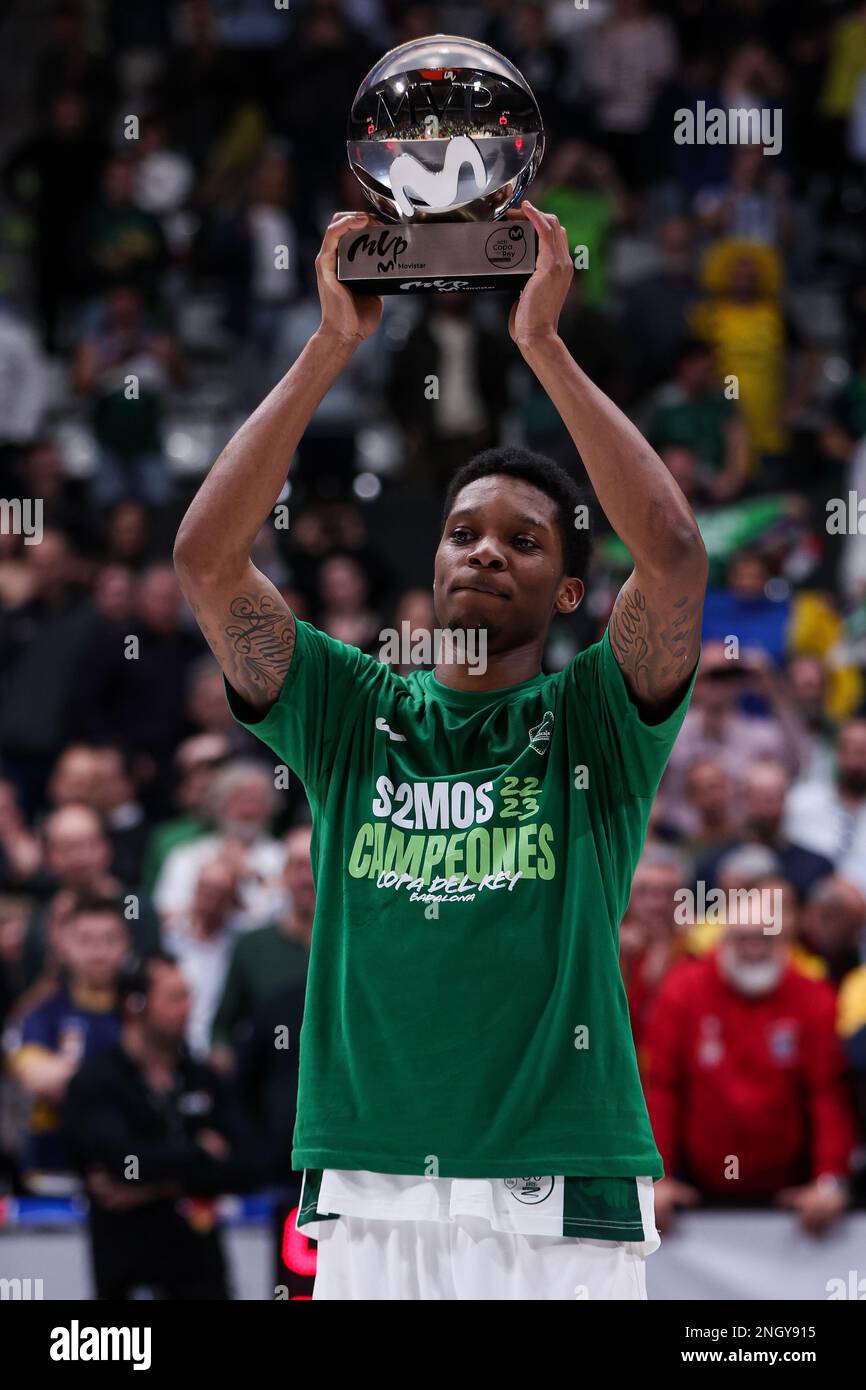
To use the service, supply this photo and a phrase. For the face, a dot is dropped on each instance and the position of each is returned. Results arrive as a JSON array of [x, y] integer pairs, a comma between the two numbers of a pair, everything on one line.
[[298, 873], [215, 891], [94, 944], [696, 372], [168, 1005], [652, 897], [112, 785], [747, 577], [807, 684], [128, 528], [708, 789], [499, 564], [119, 181], [764, 789], [851, 757], [74, 776], [76, 849], [48, 562], [751, 959], [114, 592], [342, 584], [159, 600], [208, 705], [245, 813], [743, 278]]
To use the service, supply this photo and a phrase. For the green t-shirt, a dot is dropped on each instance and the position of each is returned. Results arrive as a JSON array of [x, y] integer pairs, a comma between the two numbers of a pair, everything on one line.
[[473, 855]]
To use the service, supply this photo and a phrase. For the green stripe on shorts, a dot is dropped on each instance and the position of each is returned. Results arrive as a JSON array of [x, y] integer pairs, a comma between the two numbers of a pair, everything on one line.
[[602, 1209]]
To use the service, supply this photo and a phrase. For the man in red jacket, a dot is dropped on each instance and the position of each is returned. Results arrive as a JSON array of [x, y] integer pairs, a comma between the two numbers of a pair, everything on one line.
[[744, 1079]]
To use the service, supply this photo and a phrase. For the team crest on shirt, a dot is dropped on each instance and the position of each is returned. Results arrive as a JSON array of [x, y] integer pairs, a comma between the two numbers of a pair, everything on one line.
[[539, 737], [783, 1039], [530, 1191]]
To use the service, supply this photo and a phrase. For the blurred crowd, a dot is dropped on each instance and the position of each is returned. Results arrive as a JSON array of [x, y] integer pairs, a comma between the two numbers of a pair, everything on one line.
[[166, 180]]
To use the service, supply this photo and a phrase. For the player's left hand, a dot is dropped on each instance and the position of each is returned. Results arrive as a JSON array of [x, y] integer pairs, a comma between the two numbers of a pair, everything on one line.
[[535, 315]]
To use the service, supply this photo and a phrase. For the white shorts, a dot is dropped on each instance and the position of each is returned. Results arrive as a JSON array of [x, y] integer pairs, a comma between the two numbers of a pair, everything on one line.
[[465, 1258]]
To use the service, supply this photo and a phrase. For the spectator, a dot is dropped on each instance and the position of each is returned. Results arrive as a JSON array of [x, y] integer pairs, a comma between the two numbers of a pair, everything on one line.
[[739, 1043], [580, 186], [630, 56], [714, 728], [20, 851], [448, 386], [40, 643], [834, 925], [124, 365], [202, 941], [272, 957], [346, 613], [710, 815], [692, 410], [55, 173], [196, 761], [77, 859], [243, 800], [125, 244], [154, 1229], [650, 942], [24, 387], [829, 816], [657, 306], [131, 678], [114, 797], [765, 788], [77, 1021]]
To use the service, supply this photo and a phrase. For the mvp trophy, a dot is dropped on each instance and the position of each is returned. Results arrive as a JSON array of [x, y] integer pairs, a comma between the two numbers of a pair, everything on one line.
[[444, 136]]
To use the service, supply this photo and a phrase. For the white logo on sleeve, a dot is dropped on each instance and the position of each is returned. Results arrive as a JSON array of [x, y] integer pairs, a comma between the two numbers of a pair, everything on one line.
[[539, 737], [383, 725]]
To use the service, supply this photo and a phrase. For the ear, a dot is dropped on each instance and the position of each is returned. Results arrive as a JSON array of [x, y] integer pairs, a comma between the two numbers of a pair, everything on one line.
[[569, 596]]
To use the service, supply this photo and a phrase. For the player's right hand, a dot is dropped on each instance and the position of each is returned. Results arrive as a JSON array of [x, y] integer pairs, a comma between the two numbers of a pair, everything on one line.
[[350, 317]]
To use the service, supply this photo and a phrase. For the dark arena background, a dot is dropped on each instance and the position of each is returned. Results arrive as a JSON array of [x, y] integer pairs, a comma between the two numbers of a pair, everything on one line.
[[167, 171]]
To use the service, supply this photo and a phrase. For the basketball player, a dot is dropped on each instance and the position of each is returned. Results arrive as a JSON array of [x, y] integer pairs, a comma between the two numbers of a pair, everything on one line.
[[475, 832]]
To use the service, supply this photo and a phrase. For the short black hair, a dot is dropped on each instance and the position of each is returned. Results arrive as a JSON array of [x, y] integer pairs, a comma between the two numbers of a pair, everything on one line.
[[97, 904], [551, 479], [689, 349], [136, 977]]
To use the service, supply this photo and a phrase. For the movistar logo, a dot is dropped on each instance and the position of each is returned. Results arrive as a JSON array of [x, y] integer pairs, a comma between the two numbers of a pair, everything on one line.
[[437, 190]]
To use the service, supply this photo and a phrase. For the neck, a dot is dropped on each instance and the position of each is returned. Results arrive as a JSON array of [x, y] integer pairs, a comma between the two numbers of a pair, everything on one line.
[[502, 669], [152, 1054], [298, 926]]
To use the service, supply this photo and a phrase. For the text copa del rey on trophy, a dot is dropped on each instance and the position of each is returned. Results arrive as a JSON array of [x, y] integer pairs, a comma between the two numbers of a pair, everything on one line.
[[444, 136]]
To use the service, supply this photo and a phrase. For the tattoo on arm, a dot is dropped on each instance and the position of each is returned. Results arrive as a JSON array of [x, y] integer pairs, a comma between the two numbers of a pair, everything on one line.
[[656, 648], [254, 645]]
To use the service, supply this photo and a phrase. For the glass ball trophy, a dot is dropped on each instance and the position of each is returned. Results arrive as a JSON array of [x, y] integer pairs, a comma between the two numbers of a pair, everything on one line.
[[444, 136]]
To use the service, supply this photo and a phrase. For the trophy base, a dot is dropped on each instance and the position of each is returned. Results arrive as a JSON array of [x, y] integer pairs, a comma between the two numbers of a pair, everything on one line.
[[410, 258]]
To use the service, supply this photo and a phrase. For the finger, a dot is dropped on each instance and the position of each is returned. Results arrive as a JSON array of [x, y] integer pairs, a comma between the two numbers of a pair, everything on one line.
[[789, 1197], [546, 246], [340, 223]]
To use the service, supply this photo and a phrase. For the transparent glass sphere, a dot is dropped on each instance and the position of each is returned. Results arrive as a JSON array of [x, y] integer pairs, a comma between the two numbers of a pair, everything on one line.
[[444, 129]]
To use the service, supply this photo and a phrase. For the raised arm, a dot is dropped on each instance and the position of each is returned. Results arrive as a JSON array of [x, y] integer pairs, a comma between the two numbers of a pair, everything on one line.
[[655, 627], [241, 613]]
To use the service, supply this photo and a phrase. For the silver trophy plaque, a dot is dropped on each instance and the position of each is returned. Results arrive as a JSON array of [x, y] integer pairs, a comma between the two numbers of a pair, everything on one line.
[[444, 136]]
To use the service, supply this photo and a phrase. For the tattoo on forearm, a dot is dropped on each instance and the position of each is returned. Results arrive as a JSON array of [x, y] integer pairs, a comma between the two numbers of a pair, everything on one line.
[[255, 647], [656, 653]]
